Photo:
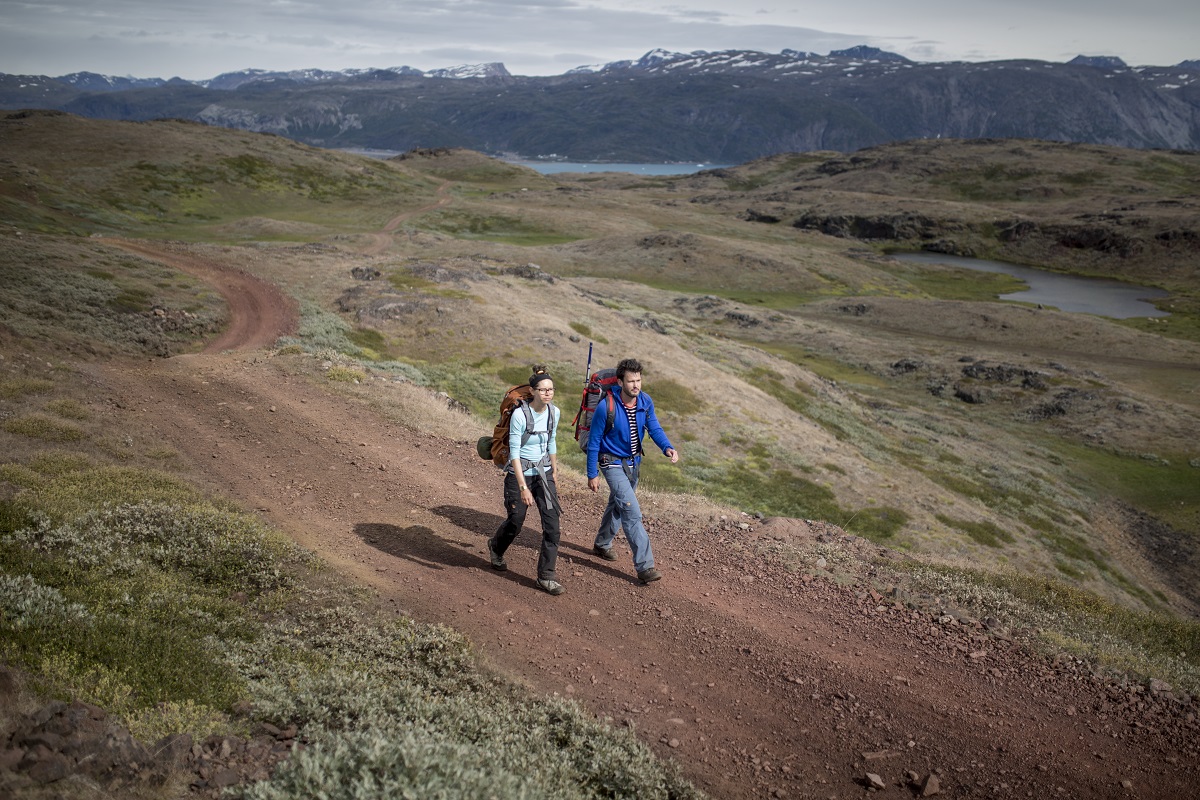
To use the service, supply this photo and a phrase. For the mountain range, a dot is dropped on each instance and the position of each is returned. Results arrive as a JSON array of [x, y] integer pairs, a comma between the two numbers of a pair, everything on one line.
[[727, 106]]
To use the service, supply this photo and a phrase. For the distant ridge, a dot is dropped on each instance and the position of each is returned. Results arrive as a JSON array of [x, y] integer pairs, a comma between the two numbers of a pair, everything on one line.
[[1104, 62], [727, 106]]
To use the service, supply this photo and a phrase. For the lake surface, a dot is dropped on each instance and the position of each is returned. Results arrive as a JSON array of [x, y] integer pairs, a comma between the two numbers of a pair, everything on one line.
[[552, 167], [1100, 296]]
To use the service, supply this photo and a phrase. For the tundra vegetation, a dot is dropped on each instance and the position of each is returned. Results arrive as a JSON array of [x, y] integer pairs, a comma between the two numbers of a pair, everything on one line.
[[1032, 465]]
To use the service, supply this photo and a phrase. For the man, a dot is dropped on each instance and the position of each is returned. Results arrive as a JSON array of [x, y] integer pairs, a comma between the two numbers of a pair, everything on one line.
[[615, 449]]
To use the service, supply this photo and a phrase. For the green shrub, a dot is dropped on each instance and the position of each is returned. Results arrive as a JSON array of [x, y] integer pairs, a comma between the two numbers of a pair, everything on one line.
[[984, 532], [68, 409], [72, 494], [339, 372], [12, 388], [398, 709], [20, 475], [129, 607], [37, 426], [369, 339], [673, 397], [876, 523], [60, 462]]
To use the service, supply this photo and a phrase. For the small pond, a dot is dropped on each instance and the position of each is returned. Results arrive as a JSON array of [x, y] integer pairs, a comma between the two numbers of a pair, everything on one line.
[[1100, 296]]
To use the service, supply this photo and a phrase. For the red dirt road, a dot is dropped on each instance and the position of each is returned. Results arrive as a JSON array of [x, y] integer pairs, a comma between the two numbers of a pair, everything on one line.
[[757, 681]]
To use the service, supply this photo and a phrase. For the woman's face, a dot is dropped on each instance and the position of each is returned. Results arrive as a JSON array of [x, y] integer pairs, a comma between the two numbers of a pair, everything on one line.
[[543, 392]]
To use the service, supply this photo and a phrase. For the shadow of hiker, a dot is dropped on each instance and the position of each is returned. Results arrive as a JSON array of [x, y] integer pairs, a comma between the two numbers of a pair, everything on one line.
[[470, 519], [613, 568], [416, 543], [485, 524]]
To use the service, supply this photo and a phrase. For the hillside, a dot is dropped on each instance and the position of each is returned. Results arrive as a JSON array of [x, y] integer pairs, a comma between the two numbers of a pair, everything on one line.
[[721, 107], [900, 579]]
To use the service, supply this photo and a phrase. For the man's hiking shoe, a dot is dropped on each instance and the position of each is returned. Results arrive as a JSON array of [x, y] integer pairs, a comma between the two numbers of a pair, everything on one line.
[[649, 575], [605, 552], [498, 562], [550, 587]]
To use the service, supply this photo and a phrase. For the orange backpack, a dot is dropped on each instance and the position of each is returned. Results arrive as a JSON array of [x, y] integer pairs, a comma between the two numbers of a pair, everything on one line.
[[495, 447]]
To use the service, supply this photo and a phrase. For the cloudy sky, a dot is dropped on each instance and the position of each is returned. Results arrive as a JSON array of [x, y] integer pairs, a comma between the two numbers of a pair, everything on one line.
[[198, 39]]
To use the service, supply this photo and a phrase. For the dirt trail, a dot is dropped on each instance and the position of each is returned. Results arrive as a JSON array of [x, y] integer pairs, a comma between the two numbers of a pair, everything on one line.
[[382, 239], [259, 312], [759, 682]]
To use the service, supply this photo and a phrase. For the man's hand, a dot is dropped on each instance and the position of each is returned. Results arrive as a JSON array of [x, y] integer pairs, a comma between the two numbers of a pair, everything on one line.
[[594, 483], [671, 454], [526, 495]]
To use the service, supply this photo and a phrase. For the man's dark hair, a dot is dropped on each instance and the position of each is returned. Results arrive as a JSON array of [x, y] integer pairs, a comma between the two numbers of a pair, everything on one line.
[[628, 365]]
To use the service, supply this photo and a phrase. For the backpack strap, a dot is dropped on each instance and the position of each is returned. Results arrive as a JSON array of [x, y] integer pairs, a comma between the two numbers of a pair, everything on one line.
[[528, 423], [551, 424]]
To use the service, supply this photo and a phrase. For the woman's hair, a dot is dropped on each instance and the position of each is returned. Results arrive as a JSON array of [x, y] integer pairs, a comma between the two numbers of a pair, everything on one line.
[[539, 374]]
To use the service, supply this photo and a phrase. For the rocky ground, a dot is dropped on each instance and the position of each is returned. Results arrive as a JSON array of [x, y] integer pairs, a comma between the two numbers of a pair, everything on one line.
[[759, 677]]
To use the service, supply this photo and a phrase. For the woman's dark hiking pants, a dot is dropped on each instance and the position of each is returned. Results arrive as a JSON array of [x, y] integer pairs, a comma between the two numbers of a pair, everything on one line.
[[511, 527]]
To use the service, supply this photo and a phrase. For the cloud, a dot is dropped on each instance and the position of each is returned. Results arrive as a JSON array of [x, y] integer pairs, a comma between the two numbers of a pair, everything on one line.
[[159, 38]]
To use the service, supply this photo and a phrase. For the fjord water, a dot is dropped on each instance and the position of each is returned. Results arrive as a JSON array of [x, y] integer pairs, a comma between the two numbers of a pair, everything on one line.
[[1100, 296], [553, 167]]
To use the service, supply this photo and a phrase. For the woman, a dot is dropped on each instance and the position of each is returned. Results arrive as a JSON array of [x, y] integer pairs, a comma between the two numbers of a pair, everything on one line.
[[529, 478]]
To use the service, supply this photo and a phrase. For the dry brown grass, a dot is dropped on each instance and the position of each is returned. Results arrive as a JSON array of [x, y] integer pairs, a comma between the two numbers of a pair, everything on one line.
[[752, 318]]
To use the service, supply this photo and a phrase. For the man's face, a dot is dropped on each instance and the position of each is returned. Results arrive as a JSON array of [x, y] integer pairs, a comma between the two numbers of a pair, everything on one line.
[[631, 384]]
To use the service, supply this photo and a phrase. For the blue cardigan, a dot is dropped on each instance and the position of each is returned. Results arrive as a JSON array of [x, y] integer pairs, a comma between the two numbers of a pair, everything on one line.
[[616, 441]]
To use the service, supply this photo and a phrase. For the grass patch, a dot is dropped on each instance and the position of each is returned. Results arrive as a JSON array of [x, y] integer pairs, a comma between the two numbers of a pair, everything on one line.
[[405, 281], [38, 426], [59, 462], [169, 614], [1184, 322], [118, 605], [62, 493], [796, 397], [586, 332], [824, 367], [673, 397], [51, 292], [68, 409], [343, 374], [494, 227], [783, 493], [1163, 487], [372, 344], [1081, 622], [1065, 544], [12, 388], [954, 283], [984, 532]]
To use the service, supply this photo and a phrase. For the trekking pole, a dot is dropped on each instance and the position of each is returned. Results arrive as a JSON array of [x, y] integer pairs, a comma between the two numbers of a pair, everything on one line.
[[583, 400]]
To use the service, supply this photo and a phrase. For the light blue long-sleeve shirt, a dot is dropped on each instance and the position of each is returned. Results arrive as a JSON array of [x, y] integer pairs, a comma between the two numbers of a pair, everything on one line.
[[541, 442]]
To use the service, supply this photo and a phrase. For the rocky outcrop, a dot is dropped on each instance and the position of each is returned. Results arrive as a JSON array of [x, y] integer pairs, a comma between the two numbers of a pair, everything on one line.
[[69, 743]]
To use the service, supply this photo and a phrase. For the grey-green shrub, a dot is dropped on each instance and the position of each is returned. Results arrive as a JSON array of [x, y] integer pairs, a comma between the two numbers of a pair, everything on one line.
[[25, 603], [211, 545]]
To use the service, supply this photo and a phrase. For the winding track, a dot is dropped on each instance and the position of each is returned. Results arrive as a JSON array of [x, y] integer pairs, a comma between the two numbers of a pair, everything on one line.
[[757, 681]]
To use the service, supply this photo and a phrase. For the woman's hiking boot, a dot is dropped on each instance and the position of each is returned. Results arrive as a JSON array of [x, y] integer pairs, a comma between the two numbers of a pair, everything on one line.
[[550, 587], [498, 562]]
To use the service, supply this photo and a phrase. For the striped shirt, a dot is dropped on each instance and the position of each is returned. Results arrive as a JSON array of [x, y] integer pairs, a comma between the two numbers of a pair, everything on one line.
[[635, 444]]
